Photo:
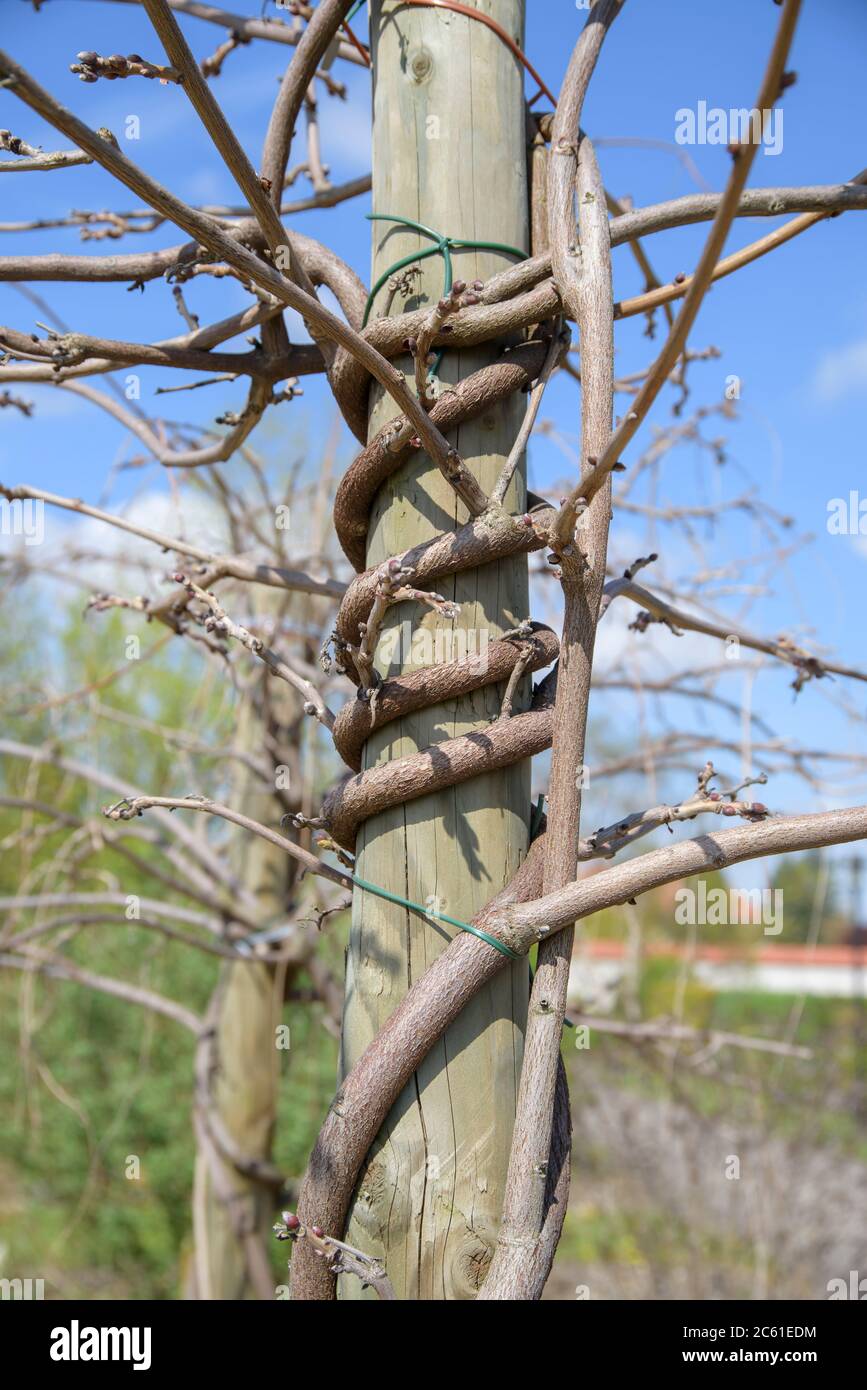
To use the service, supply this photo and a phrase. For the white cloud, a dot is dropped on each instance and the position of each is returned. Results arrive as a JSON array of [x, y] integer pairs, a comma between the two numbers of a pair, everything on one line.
[[840, 372], [117, 561]]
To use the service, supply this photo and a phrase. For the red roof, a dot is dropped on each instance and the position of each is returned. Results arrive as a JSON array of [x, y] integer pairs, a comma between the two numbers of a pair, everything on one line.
[[774, 954]]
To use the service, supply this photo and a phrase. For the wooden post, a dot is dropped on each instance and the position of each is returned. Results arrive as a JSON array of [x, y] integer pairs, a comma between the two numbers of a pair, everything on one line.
[[449, 151], [233, 1238]]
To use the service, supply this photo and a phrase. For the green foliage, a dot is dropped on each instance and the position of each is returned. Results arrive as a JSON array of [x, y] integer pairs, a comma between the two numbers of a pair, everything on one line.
[[798, 876], [90, 1080], [666, 990], [97, 1082]]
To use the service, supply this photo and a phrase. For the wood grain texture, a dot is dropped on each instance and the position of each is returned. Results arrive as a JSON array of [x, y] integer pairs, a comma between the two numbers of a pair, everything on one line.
[[449, 151]]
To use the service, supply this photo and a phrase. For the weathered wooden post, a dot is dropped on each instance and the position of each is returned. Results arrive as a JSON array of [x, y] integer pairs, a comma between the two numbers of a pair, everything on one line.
[[232, 1218], [449, 151]]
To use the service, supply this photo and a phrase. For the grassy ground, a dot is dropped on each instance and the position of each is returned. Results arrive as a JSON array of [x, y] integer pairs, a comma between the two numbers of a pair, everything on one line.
[[655, 1212], [748, 1179]]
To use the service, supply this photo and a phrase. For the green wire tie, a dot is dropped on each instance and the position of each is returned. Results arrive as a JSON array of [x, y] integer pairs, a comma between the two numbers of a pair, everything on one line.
[[354, 11], [443, 917], [444, 247], [437, 916], [453, 921]]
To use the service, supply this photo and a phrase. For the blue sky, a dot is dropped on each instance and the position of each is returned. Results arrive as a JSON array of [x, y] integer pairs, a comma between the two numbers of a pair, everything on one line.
[[792, 327]]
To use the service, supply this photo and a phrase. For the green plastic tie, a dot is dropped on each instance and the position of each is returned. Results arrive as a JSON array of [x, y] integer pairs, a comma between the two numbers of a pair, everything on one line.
[[437, 916], [444, 247]]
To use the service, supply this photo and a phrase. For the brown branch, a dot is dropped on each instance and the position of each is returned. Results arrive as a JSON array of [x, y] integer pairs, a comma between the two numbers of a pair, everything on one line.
[[312, 47], [606, 842], [131, 806], [219, 622], [58, 968], [271, 29], [652, 299], [664, 1030], [209, 233], [212, 863], [828, 199], [91, 66], [219, 566], [598, 467], [32, 157], [808, 667], [431, 1005], [339, 1257], [582, 267]]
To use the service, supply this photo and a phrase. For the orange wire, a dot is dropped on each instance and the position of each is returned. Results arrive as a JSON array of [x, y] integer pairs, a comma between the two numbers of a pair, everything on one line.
[[357, 42], [498, 29]]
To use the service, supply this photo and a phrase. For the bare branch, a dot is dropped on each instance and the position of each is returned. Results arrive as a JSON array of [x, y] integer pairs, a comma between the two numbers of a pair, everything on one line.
[[339, 1257], [58, 968], [597, 468], [136, 806], [219, 566], [220, 623], [808, 667]]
